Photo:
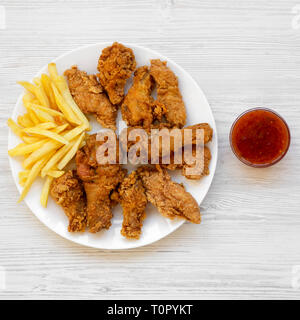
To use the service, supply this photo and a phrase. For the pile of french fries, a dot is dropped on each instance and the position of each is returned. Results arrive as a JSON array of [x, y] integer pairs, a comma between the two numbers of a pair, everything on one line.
[[52, 130]]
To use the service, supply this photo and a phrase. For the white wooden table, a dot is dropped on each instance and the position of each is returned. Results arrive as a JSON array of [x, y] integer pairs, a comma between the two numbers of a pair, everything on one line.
[[242, 54]]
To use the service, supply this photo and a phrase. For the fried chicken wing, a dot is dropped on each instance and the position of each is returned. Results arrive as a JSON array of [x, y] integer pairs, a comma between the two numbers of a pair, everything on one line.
[[169, 197], [100, 182], [68, 192], [89, 95], [133, 201], [137, 107], [115, 65], [168, 93]]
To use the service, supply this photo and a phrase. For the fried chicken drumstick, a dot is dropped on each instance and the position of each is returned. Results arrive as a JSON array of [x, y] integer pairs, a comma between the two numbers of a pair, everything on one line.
[[99, 182], [169, 197], [90, 97], [115, 65], [68, 192], [133, 201]]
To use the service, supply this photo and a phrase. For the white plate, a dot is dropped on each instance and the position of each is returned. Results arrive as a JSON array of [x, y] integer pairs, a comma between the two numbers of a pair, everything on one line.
[[155, 226]]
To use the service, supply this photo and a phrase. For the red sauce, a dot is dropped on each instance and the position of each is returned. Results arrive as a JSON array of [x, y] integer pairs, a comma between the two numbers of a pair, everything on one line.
[[260, 136]]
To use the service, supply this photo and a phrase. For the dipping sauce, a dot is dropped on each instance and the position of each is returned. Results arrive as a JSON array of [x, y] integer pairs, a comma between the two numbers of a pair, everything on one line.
[[260, 137]]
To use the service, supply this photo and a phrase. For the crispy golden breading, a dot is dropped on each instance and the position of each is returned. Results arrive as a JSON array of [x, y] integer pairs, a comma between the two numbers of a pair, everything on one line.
[[203, 168], [168, 93], [207, 132], [133, 201], [99, 182], [137, 105], [169, 197], [68, 192], [115, 65], [89, 95], [154, 147], [203, 157]]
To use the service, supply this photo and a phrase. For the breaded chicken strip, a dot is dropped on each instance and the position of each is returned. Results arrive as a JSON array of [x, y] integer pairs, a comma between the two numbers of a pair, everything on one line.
[[90, 97], [133, 201], [189, 162], [168, 93], [169, 197], [68, 192], [157, 143], [115, 65], [100, 182], [137, 107]]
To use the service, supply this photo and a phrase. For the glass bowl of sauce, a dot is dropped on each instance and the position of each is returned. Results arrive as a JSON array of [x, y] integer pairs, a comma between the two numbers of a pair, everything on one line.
[[260, 137]]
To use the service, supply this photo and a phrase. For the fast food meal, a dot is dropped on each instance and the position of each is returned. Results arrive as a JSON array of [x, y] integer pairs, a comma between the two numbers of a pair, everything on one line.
[[55, 144]]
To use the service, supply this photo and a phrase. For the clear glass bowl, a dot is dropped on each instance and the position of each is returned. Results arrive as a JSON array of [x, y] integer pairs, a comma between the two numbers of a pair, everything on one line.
[[260, 165]]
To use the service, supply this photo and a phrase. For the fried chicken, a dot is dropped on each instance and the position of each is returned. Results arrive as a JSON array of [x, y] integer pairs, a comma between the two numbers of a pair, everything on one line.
[[100, 182], [137, 107], [133, 201], [207, 133], [169, 197], [168, 93], [68, 192], [115, 65], [89, 95], [156, 147], [189, 161]]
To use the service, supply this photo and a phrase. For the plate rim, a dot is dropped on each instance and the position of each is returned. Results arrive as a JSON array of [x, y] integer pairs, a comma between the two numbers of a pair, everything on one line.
[[155, 53]]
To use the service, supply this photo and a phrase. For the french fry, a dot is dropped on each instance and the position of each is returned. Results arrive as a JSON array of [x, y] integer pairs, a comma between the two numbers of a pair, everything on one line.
[[28, 97], [28, 86], [69, 156], [46, 82], [30, 140], [65, 91], [35, 156], [55, 158], [44, 125], [82, 144], [35, 101], [17, 130], [33, 117], [34, 172], [44, 116], [55, 173], [15, 151], [25, 121], [40, 93], [53, 71], [64, 107], [46, 133], [22, 182], [23, 149], [62, 85], [52, 112], [61, 128], [23, 175], [74, 132], [45, 191]]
